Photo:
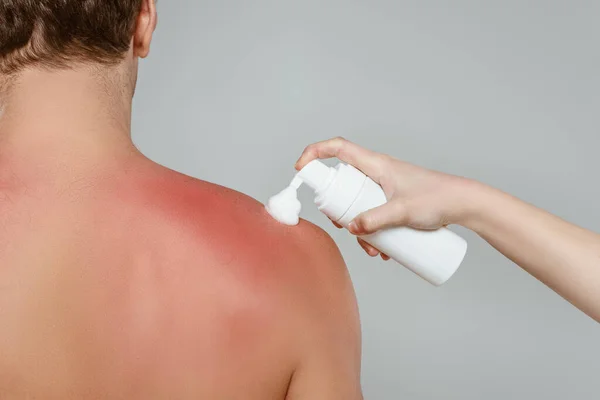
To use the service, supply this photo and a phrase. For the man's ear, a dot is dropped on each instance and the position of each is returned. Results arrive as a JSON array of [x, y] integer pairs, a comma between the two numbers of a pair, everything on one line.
[[144, 29]]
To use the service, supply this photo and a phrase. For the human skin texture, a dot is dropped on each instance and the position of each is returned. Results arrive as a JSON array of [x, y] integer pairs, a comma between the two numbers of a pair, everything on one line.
[[122, 279], [142, 283]]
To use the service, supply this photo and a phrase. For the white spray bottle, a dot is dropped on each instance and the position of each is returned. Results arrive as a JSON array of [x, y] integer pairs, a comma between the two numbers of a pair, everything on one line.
[[343, 192]]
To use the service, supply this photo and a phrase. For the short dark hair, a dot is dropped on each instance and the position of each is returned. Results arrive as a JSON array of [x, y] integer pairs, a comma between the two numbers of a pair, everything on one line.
[[55, 33]]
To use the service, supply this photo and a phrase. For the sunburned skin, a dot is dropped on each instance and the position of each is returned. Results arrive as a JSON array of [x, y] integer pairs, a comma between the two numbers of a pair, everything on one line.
[[137, 282]]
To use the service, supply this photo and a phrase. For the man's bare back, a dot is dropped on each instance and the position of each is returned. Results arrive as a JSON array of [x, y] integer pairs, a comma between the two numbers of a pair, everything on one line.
[[121, 279], [142, 283]]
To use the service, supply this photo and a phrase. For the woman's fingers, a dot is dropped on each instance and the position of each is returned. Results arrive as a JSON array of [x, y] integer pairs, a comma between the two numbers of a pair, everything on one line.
[[336, 224], [385, 216], [369, 162], [372, 251]]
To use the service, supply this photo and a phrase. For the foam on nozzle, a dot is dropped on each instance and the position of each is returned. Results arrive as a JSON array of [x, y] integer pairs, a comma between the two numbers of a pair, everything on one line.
[[296, 182], [315, 174]]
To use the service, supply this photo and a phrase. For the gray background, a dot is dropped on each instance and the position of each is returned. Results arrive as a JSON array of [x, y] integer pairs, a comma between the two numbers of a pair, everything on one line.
[[506, 92]]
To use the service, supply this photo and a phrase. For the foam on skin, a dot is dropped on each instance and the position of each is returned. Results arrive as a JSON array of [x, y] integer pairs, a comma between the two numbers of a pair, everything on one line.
[[285, 206]]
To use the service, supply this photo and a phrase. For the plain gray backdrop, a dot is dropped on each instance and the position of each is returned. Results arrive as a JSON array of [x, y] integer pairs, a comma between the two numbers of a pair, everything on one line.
[[506, 92]]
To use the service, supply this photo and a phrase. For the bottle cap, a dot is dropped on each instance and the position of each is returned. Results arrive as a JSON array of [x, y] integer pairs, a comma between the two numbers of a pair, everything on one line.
[[315, 175], [335, 188]]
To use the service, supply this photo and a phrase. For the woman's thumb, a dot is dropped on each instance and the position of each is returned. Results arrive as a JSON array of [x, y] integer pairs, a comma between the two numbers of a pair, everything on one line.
[[382, 217]]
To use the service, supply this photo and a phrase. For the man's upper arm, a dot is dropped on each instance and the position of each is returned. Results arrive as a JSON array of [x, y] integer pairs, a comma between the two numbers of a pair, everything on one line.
[[330, 344]]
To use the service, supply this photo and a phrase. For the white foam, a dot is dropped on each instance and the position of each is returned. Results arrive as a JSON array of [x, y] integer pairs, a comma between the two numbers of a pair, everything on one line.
[[285, 206]]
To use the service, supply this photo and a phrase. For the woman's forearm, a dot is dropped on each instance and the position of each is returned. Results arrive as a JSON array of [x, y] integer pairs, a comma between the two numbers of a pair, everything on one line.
[[563, 256]]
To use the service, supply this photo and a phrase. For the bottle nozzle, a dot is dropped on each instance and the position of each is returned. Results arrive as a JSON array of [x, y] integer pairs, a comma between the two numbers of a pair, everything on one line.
[[315, 175], [296, 182]]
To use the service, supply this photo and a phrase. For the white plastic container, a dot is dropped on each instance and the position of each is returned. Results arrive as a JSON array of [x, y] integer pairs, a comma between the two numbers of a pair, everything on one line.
[[343, 192]]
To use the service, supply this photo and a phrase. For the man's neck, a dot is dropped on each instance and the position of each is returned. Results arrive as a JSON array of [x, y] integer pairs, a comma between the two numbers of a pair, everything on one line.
[[67, 121]]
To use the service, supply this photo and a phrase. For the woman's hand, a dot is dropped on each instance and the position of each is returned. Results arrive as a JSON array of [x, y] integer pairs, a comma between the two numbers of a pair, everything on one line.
[[417, 197], [563, 256]]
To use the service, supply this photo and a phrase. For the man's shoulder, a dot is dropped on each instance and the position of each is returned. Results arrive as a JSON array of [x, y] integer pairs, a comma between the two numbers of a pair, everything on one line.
[[274, 292], [216, 226]]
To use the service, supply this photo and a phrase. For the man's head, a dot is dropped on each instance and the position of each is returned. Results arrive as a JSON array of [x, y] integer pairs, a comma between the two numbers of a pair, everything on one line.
[[57, 34]]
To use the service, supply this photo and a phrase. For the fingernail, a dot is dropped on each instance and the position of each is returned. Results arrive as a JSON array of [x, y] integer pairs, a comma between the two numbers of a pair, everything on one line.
[[353, 228]]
